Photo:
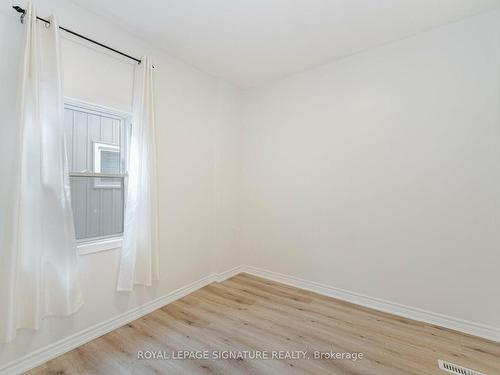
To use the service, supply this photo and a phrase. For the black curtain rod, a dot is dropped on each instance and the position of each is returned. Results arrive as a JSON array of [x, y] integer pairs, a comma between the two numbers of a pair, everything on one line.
[[23, 11]]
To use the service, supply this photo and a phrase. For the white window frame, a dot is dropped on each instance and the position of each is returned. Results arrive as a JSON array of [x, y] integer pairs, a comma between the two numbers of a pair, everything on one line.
[[91, 246]]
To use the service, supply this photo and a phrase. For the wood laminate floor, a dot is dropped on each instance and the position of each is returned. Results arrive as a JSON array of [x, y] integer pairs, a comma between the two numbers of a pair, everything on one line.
[[246, 313]]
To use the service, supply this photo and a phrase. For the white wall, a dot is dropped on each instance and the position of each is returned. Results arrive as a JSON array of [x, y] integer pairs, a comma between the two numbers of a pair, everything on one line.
[[195, 118], [379, 173]]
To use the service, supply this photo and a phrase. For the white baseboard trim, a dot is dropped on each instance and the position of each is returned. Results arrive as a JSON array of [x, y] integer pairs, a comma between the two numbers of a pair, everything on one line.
[[472, 328], [54, 350], [230, 273], [69, 343]]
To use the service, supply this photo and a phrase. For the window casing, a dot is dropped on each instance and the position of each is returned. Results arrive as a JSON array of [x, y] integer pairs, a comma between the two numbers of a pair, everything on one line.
[[97, 146]]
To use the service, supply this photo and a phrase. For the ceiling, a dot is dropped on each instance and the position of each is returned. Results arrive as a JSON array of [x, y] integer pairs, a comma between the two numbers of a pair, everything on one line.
[[250, 42]]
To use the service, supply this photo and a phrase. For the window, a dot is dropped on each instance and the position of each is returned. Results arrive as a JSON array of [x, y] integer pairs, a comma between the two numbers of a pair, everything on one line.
[[106, 158], [106, 161], [96, 142]]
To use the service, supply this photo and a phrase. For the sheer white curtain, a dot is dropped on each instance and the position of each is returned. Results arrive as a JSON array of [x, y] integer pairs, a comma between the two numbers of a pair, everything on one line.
[[139, 255], [38, 266]]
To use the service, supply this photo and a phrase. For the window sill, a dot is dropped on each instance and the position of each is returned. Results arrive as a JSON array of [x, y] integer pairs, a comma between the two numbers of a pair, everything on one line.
[[98, 246]]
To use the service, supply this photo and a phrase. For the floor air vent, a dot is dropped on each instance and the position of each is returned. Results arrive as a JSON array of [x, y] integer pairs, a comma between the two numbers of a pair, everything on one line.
[[456, 369]]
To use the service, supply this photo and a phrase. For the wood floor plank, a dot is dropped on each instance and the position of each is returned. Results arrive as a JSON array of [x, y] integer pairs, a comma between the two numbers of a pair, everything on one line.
[[249, 314]]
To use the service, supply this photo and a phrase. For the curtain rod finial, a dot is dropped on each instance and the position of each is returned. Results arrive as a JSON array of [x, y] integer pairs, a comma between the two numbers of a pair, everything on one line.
[[18, 9]]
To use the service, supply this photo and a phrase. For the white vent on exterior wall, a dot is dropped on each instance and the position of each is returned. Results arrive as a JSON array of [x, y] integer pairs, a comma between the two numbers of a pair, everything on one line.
[[456, 369]]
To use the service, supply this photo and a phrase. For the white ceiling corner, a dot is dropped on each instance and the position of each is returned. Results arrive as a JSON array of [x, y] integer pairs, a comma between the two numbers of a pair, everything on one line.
[[250, 42]]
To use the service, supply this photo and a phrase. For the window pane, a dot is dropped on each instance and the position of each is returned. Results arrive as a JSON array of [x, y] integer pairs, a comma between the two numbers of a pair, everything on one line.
[[91, 137], [97, 206], [110, 161]]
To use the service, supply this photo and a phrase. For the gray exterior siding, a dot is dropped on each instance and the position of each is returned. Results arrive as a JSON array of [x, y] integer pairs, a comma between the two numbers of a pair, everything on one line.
[[97, 202]]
